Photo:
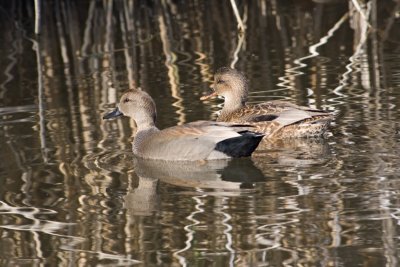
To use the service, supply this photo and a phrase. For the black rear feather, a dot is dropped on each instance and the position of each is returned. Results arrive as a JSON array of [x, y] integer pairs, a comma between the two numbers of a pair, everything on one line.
[[240, 146], [268, 117]]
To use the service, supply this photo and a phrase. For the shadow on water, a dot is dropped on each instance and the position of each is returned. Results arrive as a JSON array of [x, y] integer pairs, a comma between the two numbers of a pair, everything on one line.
[[72, 193]]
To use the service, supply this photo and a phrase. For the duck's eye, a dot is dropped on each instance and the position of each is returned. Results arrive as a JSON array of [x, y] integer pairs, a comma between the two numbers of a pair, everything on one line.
[[126, 100], [220, 81]]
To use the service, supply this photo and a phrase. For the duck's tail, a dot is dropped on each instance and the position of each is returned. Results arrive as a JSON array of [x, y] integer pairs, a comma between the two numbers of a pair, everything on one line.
[[240, 146], [300, 123]]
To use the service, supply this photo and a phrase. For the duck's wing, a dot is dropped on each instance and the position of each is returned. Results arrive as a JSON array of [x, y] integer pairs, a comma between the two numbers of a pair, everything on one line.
[[198, 141], [271, 124], [281, 106], [270, 111], [263, 112]]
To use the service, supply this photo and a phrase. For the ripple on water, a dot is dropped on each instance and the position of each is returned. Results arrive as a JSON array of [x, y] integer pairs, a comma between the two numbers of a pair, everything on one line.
[[35, 220]]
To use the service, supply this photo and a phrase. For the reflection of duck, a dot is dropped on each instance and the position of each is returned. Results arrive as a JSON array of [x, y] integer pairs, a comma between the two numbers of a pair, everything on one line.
[[301, 121], [292, 152], [233, 174], [201, 140], [217, 174], [143, 199]]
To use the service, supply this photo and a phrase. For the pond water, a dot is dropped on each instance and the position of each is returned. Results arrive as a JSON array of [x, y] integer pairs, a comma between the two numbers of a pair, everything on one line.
[[72, 194]]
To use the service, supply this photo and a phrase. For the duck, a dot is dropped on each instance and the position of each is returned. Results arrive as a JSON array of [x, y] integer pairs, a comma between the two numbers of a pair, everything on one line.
[[194, 141], [233, 86]]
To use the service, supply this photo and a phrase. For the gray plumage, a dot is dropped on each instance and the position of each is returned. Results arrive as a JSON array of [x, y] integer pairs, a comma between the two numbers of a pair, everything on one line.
[[199, 140]]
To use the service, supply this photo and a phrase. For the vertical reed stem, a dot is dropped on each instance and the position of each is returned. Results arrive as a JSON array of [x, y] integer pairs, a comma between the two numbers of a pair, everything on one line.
[[37, 17], [237, 15]]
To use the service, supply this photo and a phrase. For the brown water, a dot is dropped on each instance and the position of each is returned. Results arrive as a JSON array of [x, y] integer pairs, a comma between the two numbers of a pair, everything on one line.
[[72, 194]]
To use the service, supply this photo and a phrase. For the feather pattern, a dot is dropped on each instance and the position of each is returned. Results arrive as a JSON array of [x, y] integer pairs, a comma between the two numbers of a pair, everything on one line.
[[271, 118]]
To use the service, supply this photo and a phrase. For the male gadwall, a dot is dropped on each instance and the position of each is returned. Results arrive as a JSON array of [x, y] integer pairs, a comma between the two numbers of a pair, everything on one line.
[[233, 86], [200, 140]]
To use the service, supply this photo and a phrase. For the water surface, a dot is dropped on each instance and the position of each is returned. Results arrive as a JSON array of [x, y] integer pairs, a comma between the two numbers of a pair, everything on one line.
[[72, 193]]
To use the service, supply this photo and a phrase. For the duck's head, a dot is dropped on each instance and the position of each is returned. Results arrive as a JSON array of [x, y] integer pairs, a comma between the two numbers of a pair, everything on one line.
[[136, 104], [230, 84]]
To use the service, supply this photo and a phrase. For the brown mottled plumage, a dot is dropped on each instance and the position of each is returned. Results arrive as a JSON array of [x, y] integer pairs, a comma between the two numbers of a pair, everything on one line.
[[267, 117]]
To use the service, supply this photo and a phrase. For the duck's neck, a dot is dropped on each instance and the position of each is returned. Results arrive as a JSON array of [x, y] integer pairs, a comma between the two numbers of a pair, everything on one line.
[[144, 124], [232, 103], [144, 119], [145, 128]]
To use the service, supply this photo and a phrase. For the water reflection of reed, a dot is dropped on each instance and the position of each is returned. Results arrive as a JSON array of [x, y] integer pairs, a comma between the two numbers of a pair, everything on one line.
[[90, 51]]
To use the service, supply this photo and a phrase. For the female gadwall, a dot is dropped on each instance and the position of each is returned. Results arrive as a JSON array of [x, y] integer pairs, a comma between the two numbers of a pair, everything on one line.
[[200, 140], [233, 86]]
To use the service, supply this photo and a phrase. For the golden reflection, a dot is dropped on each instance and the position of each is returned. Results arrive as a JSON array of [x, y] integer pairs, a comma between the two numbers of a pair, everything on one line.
[[173, 72], [36, 224], [198, 209], [241, 36], [361, 37], [241, 25], [222, 208], [88, 29], [127, 25], [292, 72], [8, 69], [206, 73]]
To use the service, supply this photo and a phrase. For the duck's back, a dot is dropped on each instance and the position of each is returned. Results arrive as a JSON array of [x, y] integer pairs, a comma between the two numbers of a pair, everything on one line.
[[310, 122], [174, 143], [200, 140]]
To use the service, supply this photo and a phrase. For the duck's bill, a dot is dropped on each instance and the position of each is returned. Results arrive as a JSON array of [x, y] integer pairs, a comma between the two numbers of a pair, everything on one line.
[[113, 114], [213, 94]]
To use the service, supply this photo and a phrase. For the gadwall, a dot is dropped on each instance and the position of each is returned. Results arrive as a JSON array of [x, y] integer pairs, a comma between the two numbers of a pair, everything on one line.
[[233, 86], [200, 140]]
